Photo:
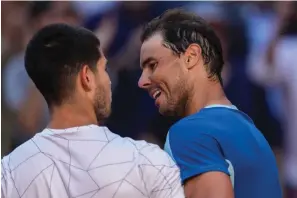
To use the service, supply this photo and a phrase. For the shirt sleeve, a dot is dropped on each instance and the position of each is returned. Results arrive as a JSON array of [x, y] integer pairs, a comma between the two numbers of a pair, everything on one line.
[[161, 176], [194, 149]]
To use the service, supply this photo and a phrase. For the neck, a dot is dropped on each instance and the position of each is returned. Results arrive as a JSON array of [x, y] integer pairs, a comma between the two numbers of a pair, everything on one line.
[[213, 94], [68, 116]]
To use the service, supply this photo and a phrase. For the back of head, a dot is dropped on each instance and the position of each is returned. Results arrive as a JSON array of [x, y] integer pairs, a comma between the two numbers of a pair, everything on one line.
[[180, 29], [54, 57]]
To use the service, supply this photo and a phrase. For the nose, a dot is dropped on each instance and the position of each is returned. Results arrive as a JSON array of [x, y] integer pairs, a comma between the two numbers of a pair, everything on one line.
[[144, 81]]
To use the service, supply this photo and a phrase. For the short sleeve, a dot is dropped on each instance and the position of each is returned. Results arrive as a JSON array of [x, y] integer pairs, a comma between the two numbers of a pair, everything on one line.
[[194, 149]]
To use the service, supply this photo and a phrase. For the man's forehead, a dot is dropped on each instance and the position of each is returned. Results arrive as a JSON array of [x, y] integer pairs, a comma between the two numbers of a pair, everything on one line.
[[152, 46]]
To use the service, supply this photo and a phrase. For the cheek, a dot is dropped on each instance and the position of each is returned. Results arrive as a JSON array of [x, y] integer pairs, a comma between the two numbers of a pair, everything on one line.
[[171, 79], [168, 85], [160, 79], [103, 78], [107, 79], [105, 82]]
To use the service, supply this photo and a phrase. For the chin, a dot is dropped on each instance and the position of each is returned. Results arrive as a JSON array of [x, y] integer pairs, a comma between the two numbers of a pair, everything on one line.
[[108, 113], [103, 114], [171, 111], [166, 112]]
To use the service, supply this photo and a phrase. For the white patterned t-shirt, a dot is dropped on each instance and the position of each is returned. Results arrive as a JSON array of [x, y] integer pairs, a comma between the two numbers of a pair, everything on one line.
[[88, 162]]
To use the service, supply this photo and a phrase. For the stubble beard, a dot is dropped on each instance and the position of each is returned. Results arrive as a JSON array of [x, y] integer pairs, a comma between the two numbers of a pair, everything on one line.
[[102, 106], [176, 103]]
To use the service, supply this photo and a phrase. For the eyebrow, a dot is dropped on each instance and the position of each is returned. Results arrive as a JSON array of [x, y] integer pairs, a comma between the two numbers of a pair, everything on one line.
[[146, 61]]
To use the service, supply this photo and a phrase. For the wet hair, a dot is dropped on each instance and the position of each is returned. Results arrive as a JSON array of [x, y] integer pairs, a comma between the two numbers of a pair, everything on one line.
[[181, 28]]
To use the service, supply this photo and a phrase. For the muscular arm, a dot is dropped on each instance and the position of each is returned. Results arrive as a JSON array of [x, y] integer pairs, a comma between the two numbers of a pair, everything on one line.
[[209, 185]]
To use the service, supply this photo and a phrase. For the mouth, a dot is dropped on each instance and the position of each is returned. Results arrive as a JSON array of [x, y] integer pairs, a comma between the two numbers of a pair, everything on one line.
[[155, 93]]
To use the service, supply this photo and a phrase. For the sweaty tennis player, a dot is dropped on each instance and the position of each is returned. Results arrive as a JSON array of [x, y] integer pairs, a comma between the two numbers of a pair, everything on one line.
[[218, 148], [73, 156]]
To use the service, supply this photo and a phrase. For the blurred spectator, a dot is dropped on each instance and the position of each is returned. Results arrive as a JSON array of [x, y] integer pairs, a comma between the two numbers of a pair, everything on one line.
[[259, 18], [13, 23], [276, 68], [12, 35], [90, 8], [20, 95]]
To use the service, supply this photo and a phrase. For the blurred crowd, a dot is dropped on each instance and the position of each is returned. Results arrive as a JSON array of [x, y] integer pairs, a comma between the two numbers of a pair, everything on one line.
[[260, 50]]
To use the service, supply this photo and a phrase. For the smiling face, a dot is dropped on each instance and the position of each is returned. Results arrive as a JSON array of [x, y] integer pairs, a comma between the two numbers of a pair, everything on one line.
[[164, 76]]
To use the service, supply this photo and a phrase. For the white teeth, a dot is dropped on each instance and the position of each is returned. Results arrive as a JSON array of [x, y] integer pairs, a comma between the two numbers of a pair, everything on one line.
[[156, 94]]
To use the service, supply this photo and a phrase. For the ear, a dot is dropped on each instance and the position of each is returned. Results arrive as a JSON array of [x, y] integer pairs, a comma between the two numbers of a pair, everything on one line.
[[193, 55], [86, 77]]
